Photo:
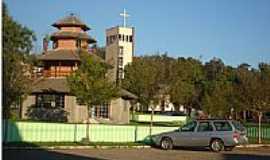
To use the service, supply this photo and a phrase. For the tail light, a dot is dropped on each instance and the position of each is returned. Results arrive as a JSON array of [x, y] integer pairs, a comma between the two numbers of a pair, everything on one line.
[[236, 135]]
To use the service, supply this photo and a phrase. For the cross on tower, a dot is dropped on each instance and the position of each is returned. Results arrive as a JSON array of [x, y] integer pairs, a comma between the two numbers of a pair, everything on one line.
[[125, 16]]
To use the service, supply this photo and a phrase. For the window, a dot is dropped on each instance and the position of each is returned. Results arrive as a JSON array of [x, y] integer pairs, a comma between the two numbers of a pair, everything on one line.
[[120, 61], [223, 126], [127, 38], [101, 111], [130, 38], [189, 127], [119, 37], [121, 51], [120, 73], [78, 43], [50, 100], [238, 126], [205, 127], [123, 37]]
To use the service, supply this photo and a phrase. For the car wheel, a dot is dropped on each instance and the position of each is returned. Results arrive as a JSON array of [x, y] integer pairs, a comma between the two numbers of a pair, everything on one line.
[[216, 145], [229, 148], [166, 143]]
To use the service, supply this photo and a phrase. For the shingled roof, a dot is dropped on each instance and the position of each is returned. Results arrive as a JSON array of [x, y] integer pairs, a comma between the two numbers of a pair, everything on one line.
[[58, 85], [67, 54], [77, 35], [61, 54], [71, 20], [127, 95]]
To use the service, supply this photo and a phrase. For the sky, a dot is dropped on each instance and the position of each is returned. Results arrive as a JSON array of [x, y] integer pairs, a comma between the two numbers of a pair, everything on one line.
[[237, 31]]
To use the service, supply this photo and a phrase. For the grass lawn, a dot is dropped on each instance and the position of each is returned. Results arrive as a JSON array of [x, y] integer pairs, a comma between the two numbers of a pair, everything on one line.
[[255, 141]]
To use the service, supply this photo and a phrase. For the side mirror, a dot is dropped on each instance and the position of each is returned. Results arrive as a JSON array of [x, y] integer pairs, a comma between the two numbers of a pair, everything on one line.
[[177, 130]]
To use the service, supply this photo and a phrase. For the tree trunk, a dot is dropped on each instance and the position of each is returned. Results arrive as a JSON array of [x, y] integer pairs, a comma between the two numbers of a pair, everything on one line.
[[151, 121], [87, 130], [133, 111], [260, 133], [87, 139], [245, 115], [20, 108]]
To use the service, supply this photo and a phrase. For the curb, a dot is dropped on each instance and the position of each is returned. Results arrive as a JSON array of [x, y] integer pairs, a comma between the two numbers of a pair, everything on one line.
[[77, 147], [253, 145]]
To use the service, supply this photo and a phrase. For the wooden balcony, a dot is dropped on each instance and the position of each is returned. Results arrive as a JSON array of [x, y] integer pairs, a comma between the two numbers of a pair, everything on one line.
[[55, 73]]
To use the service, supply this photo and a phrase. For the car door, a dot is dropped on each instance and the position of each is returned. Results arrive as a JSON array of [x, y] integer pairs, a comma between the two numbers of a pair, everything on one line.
[[185, 134], [202, 134]]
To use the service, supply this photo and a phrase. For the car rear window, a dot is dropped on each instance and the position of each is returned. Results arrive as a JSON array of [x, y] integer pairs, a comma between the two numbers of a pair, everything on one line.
[[223, 126], [238, 125]]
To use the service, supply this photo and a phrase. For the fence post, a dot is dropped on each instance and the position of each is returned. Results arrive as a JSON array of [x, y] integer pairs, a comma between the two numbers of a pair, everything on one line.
[[136, 133], [75, 132], [260, 134]]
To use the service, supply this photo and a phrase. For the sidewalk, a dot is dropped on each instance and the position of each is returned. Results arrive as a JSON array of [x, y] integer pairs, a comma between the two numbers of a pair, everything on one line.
[[110, 147], [253, 145], [75, 147]]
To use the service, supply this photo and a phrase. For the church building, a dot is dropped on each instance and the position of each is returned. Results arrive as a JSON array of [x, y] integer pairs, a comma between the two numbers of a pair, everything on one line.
[[119, 48], [51, 98]]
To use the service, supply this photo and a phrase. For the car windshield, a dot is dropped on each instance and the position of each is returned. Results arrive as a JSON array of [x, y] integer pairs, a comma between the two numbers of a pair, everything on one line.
[[238, 125]]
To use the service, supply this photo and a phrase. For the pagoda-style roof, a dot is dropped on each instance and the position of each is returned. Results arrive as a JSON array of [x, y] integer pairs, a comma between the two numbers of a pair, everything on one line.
[[60, 85], [61, 54], [71, 21], [66, 54], [51, 85], [73, 35]]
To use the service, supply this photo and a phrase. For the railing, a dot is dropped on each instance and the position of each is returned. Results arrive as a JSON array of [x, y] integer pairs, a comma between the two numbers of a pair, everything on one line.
[[64, 132], [253, 132], [56, 73], [60, 132]]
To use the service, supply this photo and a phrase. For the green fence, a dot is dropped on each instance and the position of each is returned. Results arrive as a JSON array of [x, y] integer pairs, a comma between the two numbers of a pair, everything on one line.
[[60, 132], [253, 132]]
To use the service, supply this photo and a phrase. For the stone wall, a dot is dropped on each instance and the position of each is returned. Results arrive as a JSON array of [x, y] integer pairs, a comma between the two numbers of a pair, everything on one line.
[[28, 102], [119, 111]]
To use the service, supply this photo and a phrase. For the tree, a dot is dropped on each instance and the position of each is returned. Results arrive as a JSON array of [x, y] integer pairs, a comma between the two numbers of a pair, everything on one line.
[[17, 43], [184, 80], [100, 51], [90, 85], [142, 78], [218, 97], [260, 92]]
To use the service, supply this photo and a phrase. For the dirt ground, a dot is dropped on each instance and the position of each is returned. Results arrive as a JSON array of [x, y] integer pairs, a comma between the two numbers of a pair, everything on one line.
[[138, 154]]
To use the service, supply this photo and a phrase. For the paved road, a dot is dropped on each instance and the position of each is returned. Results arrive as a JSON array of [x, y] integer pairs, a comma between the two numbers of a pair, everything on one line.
[[137, 154]]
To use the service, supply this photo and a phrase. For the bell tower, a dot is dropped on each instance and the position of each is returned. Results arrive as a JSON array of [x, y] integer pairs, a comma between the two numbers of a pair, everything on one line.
[[119, 48]]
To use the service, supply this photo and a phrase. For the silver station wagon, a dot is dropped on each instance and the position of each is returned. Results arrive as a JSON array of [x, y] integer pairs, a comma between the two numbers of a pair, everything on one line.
[[216, 134]]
